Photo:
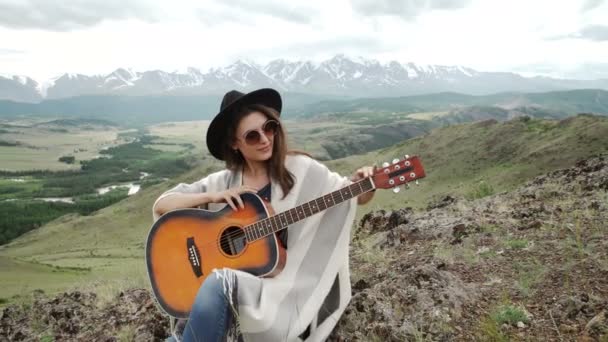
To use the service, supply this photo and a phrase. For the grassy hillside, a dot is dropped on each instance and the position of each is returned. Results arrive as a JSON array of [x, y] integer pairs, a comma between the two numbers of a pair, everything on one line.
[[473, 160], [485, 157], [341, 135]]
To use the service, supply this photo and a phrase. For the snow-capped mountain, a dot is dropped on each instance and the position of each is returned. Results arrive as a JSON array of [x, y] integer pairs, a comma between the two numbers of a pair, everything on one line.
[[340, 75], [19, 88]]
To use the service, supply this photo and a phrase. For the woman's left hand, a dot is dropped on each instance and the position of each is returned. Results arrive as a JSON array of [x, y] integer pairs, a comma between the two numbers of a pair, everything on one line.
[[364, 172]]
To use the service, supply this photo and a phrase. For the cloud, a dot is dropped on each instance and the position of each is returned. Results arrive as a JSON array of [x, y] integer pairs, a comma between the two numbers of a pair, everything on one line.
[[317, 49], [591, 4], [350, 45], [67, 15], [277, 9], [596, 33], [249, 11], [4, 51], [583, 71], [589, 71], [407, 9]]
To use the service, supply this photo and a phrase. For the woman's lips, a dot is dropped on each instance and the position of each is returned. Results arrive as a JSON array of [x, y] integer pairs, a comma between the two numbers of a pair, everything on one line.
[[265, 149]]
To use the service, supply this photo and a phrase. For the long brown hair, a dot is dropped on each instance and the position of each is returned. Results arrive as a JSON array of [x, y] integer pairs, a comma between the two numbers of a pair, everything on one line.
[[276, 163]]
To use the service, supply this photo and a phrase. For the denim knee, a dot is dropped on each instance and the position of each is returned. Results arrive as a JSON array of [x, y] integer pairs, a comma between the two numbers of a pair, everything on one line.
[[212, 287], [212, 293], [210, 315]]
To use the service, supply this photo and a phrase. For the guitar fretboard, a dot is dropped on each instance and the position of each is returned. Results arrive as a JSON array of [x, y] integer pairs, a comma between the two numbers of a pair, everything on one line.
[[280, 221]]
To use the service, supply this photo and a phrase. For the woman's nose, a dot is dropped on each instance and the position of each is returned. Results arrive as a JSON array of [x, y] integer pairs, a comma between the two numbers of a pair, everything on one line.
[[264, 138]]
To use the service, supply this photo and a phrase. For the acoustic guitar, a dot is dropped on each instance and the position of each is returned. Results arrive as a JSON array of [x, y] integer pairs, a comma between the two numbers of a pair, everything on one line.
[[185, 245]]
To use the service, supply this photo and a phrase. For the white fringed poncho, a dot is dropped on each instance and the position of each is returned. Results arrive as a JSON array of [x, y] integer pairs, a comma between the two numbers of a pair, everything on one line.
[[313, 289]]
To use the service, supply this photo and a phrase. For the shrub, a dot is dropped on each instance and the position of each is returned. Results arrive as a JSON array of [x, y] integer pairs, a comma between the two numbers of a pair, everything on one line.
[[481, 190], [516, 243], [67, 159], [8, 143], [509, 314]]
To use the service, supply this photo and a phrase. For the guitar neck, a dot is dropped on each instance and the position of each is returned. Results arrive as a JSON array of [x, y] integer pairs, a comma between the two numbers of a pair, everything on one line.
[[273, 224]]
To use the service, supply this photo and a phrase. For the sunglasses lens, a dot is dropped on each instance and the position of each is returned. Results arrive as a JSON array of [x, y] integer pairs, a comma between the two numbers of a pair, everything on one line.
[[252, 138], [270, 128]]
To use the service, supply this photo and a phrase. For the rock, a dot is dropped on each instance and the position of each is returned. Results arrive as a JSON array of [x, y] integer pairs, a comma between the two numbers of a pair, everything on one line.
[[534, 225], [521, 325], [399, 217], [442, 203], [598, 324], [483, 249], [569, 329], [595, 205], [418, 298], [458, 232], [360, 285], [76, 316], [372, 219]]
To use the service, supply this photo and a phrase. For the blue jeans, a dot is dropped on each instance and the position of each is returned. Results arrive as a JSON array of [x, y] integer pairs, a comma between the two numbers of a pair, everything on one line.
[[211, 315]]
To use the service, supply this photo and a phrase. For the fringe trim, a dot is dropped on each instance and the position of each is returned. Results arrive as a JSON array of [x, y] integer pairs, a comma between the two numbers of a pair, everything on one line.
[[230, 287]]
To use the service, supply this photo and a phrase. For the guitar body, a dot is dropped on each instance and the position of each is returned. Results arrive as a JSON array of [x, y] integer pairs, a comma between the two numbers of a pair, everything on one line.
[[185, 245]]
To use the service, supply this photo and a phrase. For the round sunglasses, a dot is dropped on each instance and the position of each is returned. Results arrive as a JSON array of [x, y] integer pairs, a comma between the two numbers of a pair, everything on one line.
[[254, 136]]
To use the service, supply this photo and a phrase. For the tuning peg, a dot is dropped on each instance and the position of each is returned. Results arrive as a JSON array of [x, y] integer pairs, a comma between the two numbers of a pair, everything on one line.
[[395, 161], [417, 182], [385, 164], [407, 185], [396, 189], [407, 156]]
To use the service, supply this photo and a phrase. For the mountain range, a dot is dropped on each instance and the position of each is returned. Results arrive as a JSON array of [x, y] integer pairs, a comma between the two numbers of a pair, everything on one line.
[[339, 76], [141, 110]]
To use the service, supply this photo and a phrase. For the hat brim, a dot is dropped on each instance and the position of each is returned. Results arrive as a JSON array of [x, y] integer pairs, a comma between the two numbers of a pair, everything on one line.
[[218, 126]]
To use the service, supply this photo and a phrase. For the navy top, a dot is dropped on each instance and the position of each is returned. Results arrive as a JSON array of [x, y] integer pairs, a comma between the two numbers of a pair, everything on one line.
[[265, 194]]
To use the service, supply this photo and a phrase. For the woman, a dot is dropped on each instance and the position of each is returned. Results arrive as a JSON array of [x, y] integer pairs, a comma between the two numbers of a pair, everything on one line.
[[305, 300]]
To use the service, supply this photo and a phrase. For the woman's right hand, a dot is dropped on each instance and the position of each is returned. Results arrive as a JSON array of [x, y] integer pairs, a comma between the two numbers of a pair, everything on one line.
[[231, 196]]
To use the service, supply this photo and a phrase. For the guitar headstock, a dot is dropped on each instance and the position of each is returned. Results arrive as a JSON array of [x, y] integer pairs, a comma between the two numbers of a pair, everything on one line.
[[399, 172]]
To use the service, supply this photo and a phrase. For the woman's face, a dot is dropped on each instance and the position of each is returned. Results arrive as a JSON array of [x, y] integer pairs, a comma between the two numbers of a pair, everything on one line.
[[261, 150]]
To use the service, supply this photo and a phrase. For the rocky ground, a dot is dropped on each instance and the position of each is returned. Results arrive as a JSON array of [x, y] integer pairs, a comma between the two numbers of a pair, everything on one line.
[[77, 316], [531, 264]]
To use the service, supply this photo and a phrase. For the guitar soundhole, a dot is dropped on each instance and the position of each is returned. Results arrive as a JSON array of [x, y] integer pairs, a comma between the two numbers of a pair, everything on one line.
[[232, 241]]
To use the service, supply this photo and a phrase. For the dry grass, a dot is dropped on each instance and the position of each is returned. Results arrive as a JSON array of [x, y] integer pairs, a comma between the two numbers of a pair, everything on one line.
[[126, 333], [427, 115], [41, 148]]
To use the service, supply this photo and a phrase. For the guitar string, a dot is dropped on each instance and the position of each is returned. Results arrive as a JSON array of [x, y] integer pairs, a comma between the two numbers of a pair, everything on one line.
[[225, 241], [241, 232], [335, 201]]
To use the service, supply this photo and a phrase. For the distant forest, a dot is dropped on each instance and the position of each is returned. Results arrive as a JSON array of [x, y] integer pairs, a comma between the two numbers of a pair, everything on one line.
[[22, 213]]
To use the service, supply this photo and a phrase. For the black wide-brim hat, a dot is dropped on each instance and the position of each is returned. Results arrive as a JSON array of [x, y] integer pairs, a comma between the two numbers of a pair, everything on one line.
[[232, 101]]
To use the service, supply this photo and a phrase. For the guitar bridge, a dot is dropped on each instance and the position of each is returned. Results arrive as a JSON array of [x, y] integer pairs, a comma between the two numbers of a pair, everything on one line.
[[194, 257]]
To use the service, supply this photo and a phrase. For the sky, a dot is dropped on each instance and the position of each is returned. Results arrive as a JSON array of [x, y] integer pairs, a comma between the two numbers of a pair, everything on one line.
[[557, 38]]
